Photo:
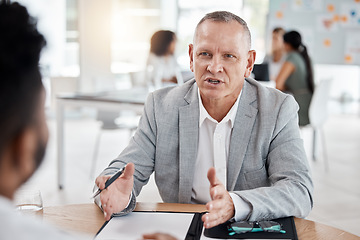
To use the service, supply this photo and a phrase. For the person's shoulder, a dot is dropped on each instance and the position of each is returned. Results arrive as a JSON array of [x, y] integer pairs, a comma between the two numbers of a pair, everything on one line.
[[262, 89], [267, 98], [153, 59], [175, 91], [177, 95], [293, 56]]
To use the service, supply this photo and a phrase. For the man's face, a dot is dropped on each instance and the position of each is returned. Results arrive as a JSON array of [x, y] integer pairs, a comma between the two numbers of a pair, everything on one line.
[[220, 59]]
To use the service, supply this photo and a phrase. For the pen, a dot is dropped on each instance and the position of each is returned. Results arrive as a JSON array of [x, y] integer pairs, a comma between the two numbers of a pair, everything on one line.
[[110, 181]]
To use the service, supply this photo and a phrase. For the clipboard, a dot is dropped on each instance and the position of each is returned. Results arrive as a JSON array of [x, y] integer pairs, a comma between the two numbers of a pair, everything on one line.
[[186, 226], [221, 232]]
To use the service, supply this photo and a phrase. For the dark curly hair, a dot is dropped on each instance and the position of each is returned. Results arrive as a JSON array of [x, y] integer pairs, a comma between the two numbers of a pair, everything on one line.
[[160, 42], [20, 78]]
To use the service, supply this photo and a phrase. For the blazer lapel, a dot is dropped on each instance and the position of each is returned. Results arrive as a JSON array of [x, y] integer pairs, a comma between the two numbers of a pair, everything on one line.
[[240, 137], [188, 139]]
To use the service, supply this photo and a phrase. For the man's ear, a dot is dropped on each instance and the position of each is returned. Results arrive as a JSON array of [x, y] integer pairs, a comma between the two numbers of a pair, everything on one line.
[[191, 49], [23, 152], [250, 63]]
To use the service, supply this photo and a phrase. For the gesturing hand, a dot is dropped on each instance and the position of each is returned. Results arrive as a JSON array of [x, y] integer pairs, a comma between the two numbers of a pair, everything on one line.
[[221, 207], [116, 197], [159, 236]]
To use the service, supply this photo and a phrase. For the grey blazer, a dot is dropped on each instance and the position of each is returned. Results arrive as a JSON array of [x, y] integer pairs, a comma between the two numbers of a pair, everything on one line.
[[267, 165]]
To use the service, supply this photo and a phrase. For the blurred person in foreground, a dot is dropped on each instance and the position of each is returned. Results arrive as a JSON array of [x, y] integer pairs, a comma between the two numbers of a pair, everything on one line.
[[276, 58], [162, 67], [220, 139], [296, 75], [23, 128]]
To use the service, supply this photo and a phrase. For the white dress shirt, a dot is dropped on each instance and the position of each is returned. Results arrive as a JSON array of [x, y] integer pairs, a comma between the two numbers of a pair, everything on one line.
[[15, 226], [213, 151]]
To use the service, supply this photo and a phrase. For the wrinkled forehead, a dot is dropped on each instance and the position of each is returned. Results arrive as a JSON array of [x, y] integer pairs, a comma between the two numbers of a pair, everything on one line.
[[227, 32]]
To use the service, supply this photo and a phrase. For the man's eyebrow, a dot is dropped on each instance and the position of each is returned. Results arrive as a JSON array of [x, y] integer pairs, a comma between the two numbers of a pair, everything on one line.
[[203, 49]]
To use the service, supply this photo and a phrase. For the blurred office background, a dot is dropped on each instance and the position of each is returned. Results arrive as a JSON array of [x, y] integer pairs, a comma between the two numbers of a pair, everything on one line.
[[101, 45]]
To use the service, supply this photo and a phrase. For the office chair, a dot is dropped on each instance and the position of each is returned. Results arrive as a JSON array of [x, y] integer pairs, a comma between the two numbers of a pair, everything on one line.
[[318, 115], [111, 121]]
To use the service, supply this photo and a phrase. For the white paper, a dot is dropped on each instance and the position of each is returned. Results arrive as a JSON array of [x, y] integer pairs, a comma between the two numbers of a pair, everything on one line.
[[135, 224]]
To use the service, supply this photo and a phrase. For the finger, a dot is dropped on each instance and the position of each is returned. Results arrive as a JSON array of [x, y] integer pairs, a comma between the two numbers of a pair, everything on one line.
[[216, 205], [149, 236], [212, 177], [129, 171], [104, 197], [213, 218], [108, 211], [209, 220], [158, 236], [219, 211], [217, 192], [107, 215], [100, 181]]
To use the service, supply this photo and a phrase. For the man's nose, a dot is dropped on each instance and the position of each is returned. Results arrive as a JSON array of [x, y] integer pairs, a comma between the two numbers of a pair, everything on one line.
[[215, 65]]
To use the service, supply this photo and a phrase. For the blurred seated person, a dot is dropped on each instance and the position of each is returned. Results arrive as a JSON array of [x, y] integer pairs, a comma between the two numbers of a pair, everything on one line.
[[24, 133], [296, 75], [161, 67], [276, 59]]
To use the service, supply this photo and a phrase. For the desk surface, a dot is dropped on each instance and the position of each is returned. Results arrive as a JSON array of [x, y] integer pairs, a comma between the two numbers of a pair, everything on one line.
[[88, 218], [133, 96]]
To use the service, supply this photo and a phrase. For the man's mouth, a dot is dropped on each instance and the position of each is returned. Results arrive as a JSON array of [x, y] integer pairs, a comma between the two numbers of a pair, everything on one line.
[[213, 81]]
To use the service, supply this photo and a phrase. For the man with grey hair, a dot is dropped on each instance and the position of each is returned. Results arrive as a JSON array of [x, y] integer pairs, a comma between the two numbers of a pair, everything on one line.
[[220, 139]]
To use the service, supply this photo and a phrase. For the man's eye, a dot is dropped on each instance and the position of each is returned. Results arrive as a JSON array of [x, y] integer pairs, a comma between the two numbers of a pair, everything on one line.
[[204, 54], [229, 55]]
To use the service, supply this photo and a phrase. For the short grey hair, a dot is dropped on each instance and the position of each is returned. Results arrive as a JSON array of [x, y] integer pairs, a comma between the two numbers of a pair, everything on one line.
[[226, 17]]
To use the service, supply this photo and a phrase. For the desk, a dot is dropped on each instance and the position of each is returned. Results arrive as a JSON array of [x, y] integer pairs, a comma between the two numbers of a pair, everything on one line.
[[88, 218], [130, 99]]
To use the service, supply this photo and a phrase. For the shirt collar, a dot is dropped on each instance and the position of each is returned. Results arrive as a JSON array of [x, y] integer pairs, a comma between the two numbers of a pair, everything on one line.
[[230, 116]]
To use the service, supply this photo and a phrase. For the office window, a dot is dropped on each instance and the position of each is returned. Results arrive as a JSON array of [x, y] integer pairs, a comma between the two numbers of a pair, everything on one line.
[[57, 21], [133, 23], [71, 61], [190, 13], [254, 12]]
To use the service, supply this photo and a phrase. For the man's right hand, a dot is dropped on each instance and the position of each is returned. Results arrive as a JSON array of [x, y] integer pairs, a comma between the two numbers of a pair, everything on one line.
[[116, 197]]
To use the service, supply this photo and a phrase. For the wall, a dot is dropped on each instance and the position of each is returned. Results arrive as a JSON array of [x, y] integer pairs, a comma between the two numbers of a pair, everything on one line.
[[330, 28], [331, 31]]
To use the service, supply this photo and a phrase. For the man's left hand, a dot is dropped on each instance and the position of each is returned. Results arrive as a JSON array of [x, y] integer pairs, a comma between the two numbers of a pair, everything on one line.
[[221, 207]]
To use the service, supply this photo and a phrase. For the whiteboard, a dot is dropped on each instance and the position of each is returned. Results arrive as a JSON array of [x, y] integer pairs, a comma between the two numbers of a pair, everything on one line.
[[330, 28]]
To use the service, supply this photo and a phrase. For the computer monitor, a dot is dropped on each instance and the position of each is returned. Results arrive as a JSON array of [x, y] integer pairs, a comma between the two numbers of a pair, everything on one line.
[[261, 72]]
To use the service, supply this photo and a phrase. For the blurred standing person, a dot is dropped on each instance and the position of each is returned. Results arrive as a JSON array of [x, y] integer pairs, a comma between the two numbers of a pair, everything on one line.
[[161, 67], [276, 59], [296, 75]]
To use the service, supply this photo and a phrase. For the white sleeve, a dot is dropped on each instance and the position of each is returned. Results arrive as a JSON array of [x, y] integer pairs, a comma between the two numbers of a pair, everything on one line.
[[242, 208]]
